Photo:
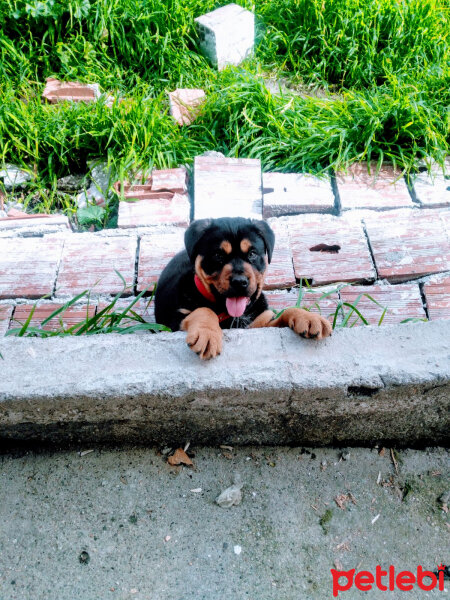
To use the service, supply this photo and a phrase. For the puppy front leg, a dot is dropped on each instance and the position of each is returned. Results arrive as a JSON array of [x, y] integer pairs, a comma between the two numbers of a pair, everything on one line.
[[204, 335], [306, 324]]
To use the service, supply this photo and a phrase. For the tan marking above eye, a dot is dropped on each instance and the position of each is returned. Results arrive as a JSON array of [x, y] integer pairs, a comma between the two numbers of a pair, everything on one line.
[[226, 246], [245, 245]]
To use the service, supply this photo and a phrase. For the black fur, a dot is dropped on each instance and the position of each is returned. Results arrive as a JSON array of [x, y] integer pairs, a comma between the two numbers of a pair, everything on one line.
[[176, 288]]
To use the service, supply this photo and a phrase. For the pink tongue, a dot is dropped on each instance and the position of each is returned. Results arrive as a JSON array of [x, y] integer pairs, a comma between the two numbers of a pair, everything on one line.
[[236, 306]]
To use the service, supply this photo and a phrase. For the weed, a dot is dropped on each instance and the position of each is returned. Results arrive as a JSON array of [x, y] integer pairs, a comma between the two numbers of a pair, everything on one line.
[[382, 67]]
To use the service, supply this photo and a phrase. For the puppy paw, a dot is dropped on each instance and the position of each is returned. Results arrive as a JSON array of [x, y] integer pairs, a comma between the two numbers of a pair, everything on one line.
[[307, 324], [206, 342]]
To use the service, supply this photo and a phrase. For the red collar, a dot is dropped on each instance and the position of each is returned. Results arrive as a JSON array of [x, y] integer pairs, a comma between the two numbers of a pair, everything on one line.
[[209, 296]]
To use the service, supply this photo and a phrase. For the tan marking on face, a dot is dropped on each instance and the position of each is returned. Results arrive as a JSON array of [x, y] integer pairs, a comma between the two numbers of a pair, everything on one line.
[[184, 311], [222, 280], [245, 245], [201, 273], [226, 246]]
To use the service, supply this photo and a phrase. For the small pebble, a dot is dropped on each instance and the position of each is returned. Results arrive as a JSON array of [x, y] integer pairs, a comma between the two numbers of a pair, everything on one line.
[[237, 550]]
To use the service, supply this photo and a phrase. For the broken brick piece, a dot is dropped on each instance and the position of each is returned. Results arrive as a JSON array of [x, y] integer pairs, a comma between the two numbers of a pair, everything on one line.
[[73, 315], [437, 294], [155, 211], [401, 301], [365, 187], [155, 251], [351, 263], [28, 266], [407, 244], [185, 104], [13, 213], [173, 180], [57, 91]]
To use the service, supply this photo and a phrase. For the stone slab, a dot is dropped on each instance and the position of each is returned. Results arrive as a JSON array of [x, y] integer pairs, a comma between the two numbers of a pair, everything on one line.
[[155, 211], [6, 312], [407, 244], [227, 187], [173, 180], [90, 262], [432, 191], [267, 386], [226, 35], [437, 294], [402, 301], [28, 266], [365, 187], [295, 193], [340, 250], [155, 251], [280, 272], [73, 315]]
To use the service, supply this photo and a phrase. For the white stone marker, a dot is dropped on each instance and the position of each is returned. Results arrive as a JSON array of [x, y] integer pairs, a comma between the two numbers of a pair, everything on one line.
[[227, 187], [227, 35]]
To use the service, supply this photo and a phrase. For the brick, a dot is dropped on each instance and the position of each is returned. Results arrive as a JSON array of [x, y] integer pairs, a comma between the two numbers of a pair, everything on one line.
[[155, 251], [157, 211], [295, 193], [89, 262], [185, 104], [58, 91], [28, 266], [311, 300], [73, 315], [407, 244], [227, 35], [172, 180], [48, 223], [280, 272], [363, 189], [227, 187], [402, 302], [345, 256], [6, 312], [432, 190], [437, 294]]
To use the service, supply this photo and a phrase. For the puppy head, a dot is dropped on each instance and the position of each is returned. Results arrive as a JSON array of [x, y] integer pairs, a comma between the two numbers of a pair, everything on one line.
[[230, 256]]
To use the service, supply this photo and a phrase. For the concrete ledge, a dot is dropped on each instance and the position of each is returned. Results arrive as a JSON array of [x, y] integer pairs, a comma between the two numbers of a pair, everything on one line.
[[361, 386]]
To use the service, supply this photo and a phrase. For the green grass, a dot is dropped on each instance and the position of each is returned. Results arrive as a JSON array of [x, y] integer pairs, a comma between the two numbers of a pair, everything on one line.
[[109, 319], [112, 320], [382, 68]]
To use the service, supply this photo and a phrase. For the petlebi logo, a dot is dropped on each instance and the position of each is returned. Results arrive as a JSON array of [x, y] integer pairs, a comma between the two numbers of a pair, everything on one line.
[[388, 580]]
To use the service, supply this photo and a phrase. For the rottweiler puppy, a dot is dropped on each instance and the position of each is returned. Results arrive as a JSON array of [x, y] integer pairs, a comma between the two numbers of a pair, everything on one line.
[[217, 282]]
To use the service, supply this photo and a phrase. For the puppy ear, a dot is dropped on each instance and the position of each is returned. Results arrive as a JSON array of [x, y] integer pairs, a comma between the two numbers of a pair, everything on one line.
[[193, 235], [267, 234]]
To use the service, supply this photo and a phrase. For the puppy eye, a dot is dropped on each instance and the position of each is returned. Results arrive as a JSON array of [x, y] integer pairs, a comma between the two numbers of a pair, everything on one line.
[[218, 257], [252, 254]]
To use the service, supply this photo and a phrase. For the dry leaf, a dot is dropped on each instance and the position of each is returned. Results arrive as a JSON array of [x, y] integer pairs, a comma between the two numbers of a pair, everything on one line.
[[381, 452], [179, 457], [341, 500]]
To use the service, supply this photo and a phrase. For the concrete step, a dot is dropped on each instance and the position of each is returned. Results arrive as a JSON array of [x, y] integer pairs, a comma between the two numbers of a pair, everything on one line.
[[360, 386]]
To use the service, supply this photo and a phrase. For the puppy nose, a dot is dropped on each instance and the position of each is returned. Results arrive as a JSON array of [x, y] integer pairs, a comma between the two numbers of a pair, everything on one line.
[[239, 282]]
